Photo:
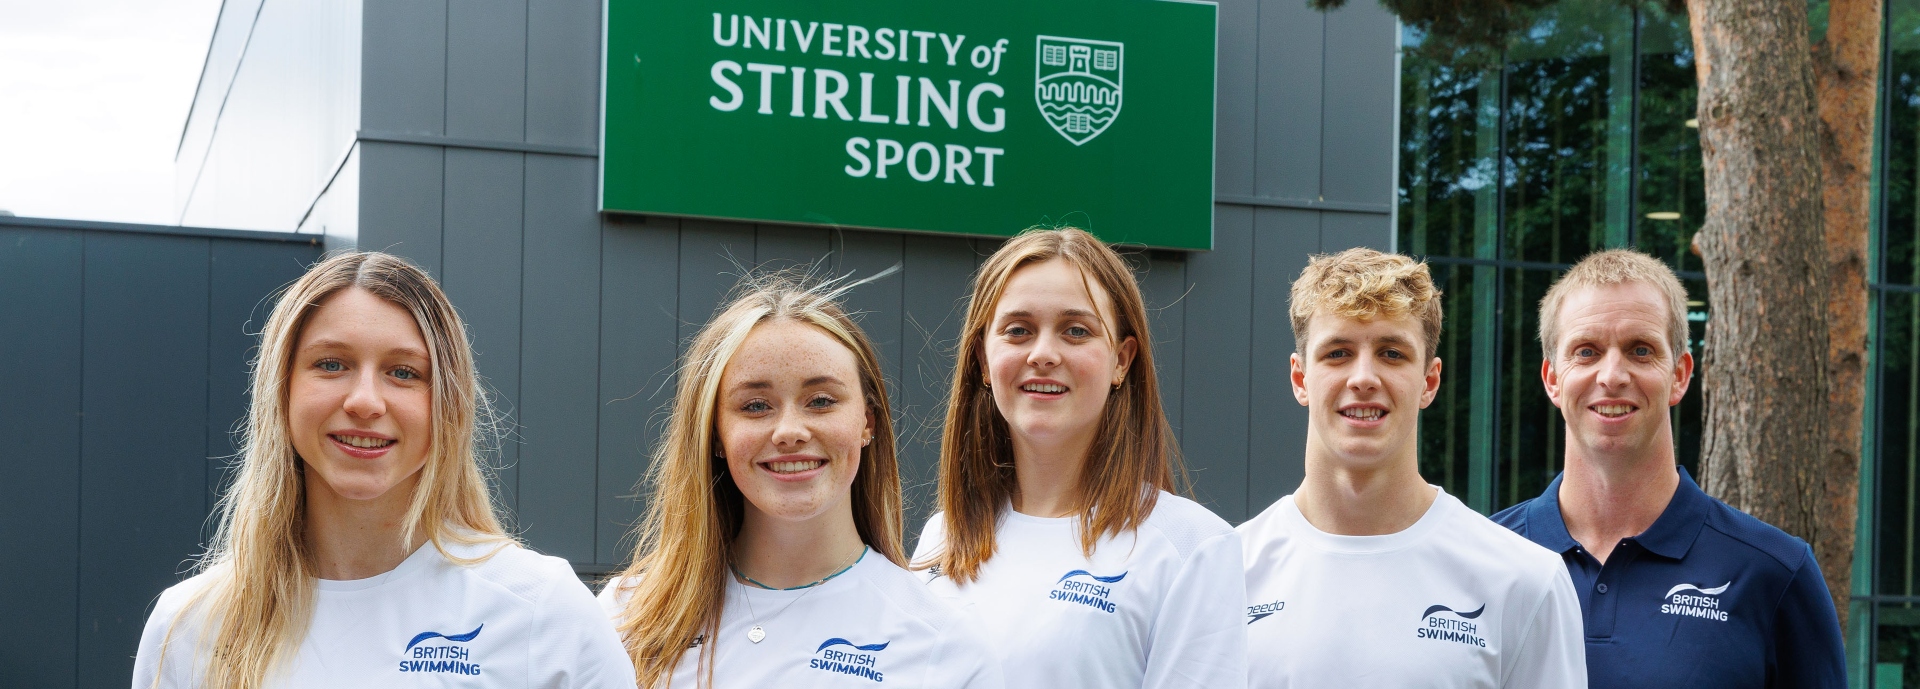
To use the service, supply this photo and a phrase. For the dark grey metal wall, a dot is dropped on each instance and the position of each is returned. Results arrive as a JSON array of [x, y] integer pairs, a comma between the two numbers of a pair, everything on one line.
[[123, 355]]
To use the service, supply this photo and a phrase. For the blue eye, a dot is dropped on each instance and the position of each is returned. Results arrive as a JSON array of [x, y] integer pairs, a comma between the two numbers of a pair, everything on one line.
[[756, 407], [1643, 350], [330, 366], [1017, 331], [404, 373], [821, 402], [1079, 331], [1394, 354]]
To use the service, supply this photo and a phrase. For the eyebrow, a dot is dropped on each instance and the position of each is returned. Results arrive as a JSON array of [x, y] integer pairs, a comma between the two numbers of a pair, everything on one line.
[[1082, 313], [336, 344], [810, 382], [1383, 339]]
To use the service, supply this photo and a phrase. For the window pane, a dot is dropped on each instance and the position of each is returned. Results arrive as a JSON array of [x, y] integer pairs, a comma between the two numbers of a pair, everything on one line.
[[1569, 115], [1899, 444], [1898, 661], [1445, 425], [1687, 415], [1447, 130], [1532, 434], [1901, 166], [1671, 184]]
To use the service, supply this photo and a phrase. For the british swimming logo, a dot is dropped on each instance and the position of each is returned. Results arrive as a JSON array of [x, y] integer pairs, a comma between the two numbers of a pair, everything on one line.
[[1442, 623], [452, 656], [1256, 613], [1086, 588], [1692, 601], [1077, 85], [858, 660]]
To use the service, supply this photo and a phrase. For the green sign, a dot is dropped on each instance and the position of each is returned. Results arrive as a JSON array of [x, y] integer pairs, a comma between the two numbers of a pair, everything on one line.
[[980, 118]]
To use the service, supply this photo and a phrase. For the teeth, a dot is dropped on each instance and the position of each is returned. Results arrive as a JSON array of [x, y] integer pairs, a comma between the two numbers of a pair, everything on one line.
[[362, 441], [1368, 414], [795, 467], [1613, 409], [1039, 387]]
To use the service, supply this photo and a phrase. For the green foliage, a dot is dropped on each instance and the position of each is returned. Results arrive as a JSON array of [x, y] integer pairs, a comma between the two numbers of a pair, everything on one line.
[[1475, 31]]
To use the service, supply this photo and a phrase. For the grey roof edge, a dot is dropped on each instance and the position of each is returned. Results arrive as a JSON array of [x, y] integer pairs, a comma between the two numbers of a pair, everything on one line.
[[174, 230]]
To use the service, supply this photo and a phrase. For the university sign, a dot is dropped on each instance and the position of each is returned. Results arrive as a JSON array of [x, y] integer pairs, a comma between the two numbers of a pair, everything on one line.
[[915, 116]]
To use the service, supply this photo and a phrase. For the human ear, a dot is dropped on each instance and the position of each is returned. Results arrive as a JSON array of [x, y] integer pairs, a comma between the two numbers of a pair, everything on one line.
[[1128, 348], [1298, 376], [1682, 378]]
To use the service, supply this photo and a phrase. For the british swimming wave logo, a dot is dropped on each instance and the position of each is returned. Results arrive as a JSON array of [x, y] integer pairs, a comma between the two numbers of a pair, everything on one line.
[[1442, 623], [1689, 600], [451, 656], [1082, 587], [860, 660]]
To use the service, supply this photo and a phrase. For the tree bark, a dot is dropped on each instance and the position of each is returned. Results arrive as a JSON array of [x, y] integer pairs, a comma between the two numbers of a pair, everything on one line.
[[1766, 434], [1847, 69]]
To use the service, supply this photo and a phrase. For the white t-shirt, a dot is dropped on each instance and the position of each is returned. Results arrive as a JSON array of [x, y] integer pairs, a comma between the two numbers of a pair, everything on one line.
[[874, 625], [517, 620], [1155, 608], [1453, 601]]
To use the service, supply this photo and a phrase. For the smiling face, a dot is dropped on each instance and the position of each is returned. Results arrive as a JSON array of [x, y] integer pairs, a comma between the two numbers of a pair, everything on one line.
[[1363, 383], [1613, 374], [1051, 354], [359, 398], [792, 420]]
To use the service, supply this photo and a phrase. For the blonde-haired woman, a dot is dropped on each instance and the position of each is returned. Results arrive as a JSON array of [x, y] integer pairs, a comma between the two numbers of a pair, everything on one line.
[[358, 545], [1057, 530], [771, 552]]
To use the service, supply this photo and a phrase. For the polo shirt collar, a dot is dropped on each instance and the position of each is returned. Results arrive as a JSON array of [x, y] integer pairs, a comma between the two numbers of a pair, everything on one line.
[[1671, 535]]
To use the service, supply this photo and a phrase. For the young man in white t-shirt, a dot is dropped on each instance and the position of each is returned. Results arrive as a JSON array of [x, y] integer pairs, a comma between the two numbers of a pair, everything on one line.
[[1367, 576]]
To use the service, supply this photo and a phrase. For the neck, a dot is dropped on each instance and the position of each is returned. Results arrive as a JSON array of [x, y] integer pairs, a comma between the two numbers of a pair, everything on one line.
[[1608, 496], [356, 539], [783, 554], [1048, 474], [1383, 498]]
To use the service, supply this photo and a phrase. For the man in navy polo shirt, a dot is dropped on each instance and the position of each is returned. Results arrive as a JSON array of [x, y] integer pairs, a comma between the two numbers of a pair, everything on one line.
[[1677, 588]]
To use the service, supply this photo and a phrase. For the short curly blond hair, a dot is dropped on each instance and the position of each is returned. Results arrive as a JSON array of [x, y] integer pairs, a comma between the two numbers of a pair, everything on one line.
[[1365, 284], [1617, 267]]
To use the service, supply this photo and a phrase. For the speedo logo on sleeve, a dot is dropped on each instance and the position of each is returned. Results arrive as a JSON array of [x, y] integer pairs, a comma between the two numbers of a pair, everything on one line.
[[1442, 623], [1086, 588], [857, 660], [452, 656], [1693, 601]]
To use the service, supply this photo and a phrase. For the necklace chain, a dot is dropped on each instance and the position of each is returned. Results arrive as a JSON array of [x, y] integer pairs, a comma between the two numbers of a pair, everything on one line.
[[758, 633]]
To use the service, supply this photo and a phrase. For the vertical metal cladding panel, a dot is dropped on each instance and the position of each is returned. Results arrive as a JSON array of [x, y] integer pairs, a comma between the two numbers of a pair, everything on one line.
[[481, 272], [778, 247], [560, 341], [401, 194], [487, 69], [713, 256], [563, 72], [1283, 239], [1292, 60], [1236, 97], [1163, 283], [875, 305], [244, 280], [1342, 231], [143, 456], [1357, 134], [403, 68], [40, 357], [1220, 301], [639, 346], [933, 309]]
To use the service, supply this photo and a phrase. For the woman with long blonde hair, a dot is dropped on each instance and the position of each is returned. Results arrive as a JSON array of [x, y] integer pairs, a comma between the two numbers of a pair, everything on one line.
[[358, 546], [771, 553], [1058, 529]]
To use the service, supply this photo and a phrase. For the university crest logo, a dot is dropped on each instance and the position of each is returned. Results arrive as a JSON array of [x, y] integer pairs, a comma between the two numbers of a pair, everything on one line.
[[1077, 85]]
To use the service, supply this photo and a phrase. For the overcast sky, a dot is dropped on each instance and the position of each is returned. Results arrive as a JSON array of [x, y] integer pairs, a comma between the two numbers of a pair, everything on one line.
[[93, 94]]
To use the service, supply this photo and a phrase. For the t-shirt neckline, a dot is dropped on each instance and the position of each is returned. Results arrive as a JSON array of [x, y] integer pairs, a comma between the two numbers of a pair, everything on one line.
[[421, 557], [1369, 545]]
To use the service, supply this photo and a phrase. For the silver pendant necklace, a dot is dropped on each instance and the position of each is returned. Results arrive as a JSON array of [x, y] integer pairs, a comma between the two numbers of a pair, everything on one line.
[[757, 633]]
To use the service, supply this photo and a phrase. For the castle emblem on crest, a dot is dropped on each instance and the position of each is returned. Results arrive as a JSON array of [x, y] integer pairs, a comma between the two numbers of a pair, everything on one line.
[[1077, 85]]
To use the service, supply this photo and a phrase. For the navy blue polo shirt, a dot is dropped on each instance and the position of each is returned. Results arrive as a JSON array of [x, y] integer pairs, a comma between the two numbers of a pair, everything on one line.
[[1707, 597]]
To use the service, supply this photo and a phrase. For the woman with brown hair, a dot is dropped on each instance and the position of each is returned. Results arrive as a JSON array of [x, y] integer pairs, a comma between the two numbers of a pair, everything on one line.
[[771, 553], [1058, 531], [358, 545]]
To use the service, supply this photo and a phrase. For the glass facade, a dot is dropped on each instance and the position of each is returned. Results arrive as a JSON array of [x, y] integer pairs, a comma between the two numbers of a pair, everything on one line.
[[1578, 136]]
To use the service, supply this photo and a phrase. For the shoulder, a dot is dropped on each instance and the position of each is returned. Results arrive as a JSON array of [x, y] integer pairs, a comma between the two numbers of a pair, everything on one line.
[[520, 573], [1183, 523], [1515, 517], [1765, 540], [614, 595], [178, 597], [1502, 547], [901, 590]]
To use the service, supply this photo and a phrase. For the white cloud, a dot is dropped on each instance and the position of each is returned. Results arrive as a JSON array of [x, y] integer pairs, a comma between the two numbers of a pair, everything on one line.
[[93, 94]]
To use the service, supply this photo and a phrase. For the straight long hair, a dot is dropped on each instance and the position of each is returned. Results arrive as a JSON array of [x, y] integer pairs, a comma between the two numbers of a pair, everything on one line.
[[260, 599], [1133, 457], [679, 570]]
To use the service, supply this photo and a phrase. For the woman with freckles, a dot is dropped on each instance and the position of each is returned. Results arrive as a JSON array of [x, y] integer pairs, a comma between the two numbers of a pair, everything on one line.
[[770, 555], [358, 546], [1058, 531]]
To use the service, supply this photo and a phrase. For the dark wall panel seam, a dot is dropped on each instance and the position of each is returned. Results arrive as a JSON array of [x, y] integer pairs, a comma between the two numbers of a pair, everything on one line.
[[476, 144], [1304, 204]]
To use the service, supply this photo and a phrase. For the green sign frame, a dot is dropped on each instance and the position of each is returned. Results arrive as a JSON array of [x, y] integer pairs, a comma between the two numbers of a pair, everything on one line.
[[976, 118]]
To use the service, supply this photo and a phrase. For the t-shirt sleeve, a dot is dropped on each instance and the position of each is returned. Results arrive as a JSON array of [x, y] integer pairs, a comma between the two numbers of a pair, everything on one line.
[[1198, 641], [1806, 644], [964, 660], [574, 644], [1552, 651], [180, 664]]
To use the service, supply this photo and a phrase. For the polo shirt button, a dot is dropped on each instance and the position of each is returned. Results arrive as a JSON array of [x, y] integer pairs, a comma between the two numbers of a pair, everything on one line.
[[1601, 588]]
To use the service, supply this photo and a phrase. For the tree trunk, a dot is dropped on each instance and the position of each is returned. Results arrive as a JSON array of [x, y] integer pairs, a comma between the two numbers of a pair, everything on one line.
[[1847, 68], [1766, 434]]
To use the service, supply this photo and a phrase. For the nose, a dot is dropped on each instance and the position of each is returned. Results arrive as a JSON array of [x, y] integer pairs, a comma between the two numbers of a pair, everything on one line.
[[1365, 376], [1613, 370], [791, 432], [1045, 353], [365, 400]]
